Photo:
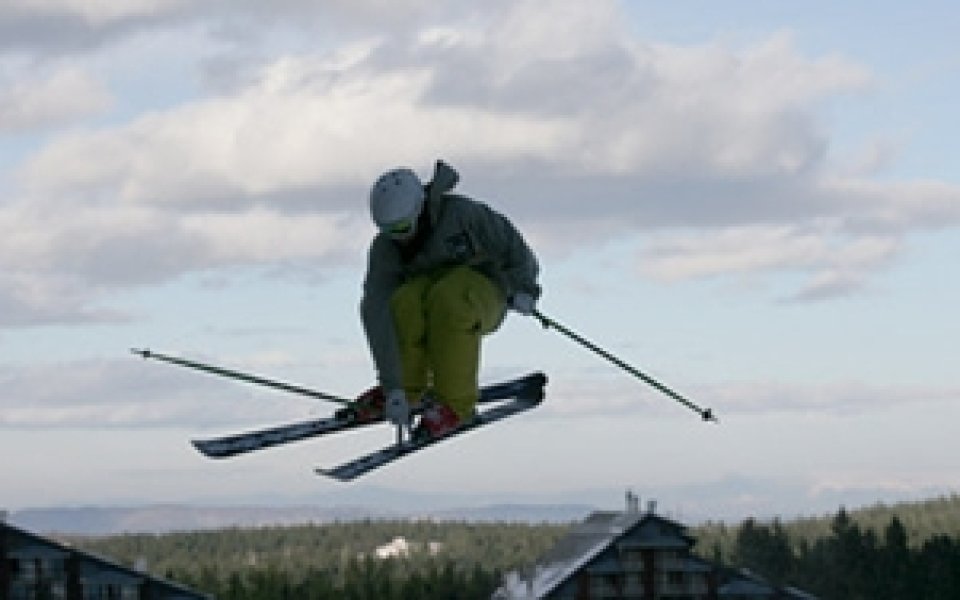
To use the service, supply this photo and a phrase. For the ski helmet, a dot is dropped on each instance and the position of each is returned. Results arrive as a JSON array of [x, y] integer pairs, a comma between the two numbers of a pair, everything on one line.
[[396, 201]]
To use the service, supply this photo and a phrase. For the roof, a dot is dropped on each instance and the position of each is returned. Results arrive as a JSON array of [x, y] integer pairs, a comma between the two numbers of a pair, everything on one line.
[[20, 544], [799, 594], [746, 587], [743, 583]]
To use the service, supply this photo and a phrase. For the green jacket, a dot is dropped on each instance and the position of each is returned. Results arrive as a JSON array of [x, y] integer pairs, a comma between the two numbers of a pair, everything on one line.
[[463, 232]]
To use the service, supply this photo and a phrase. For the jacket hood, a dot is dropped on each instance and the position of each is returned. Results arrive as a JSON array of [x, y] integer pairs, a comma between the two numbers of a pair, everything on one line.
[[444, 179]]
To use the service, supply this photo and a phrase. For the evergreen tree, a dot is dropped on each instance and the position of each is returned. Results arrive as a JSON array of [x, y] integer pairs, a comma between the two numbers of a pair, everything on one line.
[[895, 571], [764, 550]]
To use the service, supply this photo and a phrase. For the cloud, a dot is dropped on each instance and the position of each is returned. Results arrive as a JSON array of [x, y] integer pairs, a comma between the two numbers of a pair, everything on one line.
[[38, 102], [304, 123], [590, 395], [31, 299], [718, 152], [52, 27], [58, 269], [841, 232], [500, 93], [130, 392], [833, 259], [55, 27], [653, 116], [89, 11], [844, 399]]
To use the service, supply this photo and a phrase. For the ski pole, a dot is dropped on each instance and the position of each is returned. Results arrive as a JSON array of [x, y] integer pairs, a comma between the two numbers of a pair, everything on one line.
[[705, 413], [247, 377]]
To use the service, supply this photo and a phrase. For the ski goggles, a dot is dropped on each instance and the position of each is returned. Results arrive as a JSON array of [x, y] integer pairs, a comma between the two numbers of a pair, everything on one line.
[[399, 229]]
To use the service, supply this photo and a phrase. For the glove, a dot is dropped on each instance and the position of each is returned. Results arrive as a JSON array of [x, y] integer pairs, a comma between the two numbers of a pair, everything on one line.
[[523, 303], [397, 410]]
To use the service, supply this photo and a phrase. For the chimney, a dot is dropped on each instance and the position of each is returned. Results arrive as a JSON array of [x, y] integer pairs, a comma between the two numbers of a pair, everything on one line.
[[651, 507], [633, 502]]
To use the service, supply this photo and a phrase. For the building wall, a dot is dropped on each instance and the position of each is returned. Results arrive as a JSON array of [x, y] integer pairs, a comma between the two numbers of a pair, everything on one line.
[[644, 580]]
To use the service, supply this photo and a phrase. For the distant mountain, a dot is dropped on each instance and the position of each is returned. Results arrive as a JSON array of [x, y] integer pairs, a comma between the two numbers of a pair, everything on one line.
[[517, 513], [164, 518]]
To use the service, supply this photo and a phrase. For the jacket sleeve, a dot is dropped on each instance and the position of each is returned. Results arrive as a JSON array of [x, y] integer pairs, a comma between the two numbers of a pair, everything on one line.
[[383, 276], [511, 262]]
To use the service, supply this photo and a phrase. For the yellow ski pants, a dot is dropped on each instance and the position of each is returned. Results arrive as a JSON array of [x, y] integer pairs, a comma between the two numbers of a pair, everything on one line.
[[440, 318]]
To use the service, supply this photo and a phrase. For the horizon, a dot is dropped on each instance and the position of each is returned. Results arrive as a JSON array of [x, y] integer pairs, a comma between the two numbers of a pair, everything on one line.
[[172, 518], [758, 205]]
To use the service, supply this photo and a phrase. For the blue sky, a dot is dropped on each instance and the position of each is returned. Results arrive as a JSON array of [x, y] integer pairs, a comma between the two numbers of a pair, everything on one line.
[[756, 203]]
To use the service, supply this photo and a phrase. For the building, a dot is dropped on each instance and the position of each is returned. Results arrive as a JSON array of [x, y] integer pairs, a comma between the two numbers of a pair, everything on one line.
[[36, 568], [634, 555]]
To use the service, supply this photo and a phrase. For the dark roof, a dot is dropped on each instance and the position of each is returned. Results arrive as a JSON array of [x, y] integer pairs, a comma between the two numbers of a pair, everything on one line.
[[744, 583], [746, 587], [23, 545]]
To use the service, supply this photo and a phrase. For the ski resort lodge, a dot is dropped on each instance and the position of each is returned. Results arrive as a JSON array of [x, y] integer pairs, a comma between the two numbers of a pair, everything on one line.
[[32, 567], [634, 555]]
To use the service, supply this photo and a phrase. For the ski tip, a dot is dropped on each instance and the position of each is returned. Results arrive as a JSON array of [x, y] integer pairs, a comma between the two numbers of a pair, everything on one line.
[[534, 385], [333, 474], [141, 352], [708, 415], [200, 446], [206, 448]]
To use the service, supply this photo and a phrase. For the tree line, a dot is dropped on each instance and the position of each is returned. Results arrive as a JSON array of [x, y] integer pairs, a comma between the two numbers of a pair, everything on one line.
[[922, 520], [883, 553], [878, 553], [449, 560], [851, 563]]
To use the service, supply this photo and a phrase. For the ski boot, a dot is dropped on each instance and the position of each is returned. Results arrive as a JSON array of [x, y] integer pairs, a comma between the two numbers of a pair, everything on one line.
[[369, 407], [436, 421]]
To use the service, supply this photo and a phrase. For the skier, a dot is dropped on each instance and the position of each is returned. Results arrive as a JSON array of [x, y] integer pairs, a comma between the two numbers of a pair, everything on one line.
[[441, 273]]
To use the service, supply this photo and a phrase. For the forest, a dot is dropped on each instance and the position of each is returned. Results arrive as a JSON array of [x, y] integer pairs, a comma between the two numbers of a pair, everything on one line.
[[905, 551], [852, 561]]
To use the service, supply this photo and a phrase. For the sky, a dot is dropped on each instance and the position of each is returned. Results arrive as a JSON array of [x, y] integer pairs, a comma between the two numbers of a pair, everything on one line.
[[756, 203]]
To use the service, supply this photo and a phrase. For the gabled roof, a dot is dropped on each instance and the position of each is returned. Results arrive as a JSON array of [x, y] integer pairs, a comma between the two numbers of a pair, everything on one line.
[[23, 545]]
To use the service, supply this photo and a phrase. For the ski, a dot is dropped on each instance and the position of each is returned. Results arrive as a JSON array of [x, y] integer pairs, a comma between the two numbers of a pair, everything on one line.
[[348, 471], [231, 445], [344, 420]]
